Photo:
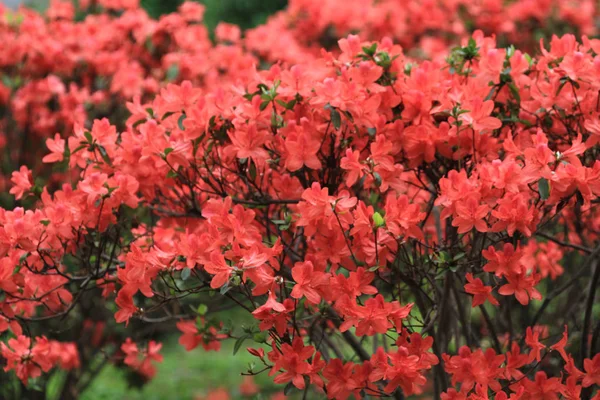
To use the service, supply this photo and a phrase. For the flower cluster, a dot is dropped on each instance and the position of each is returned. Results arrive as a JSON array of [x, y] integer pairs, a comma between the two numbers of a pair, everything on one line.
[[59, 73], [141, 360], [423, 28], [30, 358]]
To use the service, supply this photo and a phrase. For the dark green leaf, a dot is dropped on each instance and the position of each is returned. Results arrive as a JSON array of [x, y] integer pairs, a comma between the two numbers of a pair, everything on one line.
[[544, 188], [239, 342], [167, 115], [515, 92], [225, 288], [104, 155], [180, 122], [370, 50], [185, 274], [336, 118]]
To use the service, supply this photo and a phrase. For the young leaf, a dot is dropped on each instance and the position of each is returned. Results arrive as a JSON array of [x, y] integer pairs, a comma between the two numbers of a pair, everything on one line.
[[239, 342], [378, 220], [202, 309]]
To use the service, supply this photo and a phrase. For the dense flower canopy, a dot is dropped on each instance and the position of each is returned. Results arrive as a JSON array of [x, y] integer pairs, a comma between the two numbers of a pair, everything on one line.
[[400, 207]]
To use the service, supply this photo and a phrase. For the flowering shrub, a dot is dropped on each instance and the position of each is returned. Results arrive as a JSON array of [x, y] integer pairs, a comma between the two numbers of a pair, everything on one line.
[[394, 226], [424, 28]]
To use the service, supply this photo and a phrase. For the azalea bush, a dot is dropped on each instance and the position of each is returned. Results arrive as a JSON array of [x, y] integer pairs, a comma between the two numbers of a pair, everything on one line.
[[400, 210]]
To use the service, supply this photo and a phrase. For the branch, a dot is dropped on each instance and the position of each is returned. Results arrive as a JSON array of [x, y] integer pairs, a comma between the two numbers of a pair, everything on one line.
[[565, 244]]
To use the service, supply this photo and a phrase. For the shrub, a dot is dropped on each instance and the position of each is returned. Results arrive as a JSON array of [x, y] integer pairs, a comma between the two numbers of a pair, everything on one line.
[[395, 226]]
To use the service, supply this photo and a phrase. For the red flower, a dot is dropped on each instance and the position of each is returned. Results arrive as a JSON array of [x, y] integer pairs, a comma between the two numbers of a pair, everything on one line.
[[560, 345], [292, 361], [592, 371], [219, 268], [480, 292], [21, 182], [469, 215], [308, 282], [532, 340]]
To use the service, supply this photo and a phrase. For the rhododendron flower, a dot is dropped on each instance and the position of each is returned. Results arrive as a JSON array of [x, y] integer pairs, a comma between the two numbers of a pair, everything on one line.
[[532, 340], [592, 371], [308, 282], [522, 286], [57, 148], [478, 116], [22, 182], [470, 215], [141, 361], [480, 292], [219, 268], [292, 360], [27, 359]]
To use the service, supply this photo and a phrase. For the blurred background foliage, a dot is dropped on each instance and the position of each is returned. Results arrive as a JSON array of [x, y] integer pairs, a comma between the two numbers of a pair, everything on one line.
[[245, 13]]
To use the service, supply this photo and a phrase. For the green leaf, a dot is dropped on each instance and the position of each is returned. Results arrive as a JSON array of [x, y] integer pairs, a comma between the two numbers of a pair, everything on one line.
[[472, 43], [149, 45], [172, 72], [288, 106], [515, 92], [377, 178], [459, 256], [442, 257], [45, 222], [185, 274], [23, 257], [544, 188], [264, 104], [378, 220], [563, 82], [260, 337], [88, 136], [104, 155], [288, 388], [239, 342], [336, 118], [55, 384], [180, 122], [202, 309], [168, 151], [167, 115], [225, 288], [370, 50], [490, 94], [252, 171]]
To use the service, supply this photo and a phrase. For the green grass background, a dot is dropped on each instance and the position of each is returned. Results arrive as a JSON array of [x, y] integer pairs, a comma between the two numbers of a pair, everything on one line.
[[183, 375]]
